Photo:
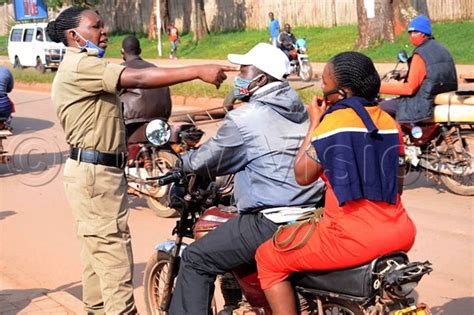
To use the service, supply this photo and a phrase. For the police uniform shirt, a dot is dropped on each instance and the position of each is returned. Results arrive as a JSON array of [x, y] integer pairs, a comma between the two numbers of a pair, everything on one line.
[[84, 93]]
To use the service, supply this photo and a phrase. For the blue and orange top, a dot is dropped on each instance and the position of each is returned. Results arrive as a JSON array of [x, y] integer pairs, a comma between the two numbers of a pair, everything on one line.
[[359, 149]]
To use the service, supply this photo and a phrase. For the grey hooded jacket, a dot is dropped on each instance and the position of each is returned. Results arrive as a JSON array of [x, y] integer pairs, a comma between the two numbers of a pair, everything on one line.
[[258, 143]]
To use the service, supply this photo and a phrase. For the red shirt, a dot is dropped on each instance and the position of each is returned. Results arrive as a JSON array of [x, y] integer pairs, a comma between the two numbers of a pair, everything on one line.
[[416, 75]]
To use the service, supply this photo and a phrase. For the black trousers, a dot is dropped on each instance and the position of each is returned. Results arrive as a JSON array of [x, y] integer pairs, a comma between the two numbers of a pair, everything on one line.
[[230, 245]]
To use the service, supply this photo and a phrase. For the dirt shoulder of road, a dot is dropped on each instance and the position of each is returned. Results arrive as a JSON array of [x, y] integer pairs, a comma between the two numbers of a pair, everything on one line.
[[178, 100]]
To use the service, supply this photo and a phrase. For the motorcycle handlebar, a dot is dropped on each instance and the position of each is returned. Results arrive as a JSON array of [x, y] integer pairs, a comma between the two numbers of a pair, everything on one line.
[[169, 178]]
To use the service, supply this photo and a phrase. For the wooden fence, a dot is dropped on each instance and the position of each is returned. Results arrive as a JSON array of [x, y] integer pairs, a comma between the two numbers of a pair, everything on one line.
[[226, 15]]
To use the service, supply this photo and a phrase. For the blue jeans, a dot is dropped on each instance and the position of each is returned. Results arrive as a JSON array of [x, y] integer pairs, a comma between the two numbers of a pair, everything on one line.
[[390, 106], [174, 46]]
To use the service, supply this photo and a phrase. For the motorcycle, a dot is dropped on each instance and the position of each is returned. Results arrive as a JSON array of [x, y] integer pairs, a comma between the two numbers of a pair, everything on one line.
[[148, 160], [299, 61], [443, 146], [5, 132], [378, 287]]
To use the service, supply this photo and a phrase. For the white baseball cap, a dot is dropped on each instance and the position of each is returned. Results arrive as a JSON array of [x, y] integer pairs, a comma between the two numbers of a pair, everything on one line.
[[265, 57]]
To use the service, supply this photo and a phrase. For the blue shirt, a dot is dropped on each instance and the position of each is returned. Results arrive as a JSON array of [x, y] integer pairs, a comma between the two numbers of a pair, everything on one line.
[[261, 155], [6, 81], [274, 28]]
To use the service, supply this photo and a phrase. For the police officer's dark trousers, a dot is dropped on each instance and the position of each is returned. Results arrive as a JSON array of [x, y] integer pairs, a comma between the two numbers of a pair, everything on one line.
[[230, 245]]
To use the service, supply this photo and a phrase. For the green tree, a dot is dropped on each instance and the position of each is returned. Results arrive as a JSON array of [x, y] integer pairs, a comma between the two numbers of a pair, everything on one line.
[[54, 4]]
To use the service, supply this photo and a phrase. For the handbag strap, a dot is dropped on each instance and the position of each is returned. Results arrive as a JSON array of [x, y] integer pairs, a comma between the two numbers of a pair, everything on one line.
[[283, 246]]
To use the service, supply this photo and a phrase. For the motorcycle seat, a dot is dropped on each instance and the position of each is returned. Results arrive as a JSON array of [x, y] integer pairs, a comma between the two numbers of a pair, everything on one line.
[[355, 283]]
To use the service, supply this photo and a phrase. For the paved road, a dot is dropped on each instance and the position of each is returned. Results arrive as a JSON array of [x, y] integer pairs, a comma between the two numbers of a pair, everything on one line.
[[39, 250]]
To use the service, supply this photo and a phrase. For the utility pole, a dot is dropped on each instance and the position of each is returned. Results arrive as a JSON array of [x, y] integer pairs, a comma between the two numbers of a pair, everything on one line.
[[158, 26]]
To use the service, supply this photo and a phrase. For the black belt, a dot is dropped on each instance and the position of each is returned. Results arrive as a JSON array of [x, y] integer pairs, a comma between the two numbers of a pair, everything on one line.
[[96, 157]]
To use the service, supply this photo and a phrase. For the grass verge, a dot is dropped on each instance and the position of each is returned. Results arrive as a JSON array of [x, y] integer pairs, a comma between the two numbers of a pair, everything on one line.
[[322, 43]]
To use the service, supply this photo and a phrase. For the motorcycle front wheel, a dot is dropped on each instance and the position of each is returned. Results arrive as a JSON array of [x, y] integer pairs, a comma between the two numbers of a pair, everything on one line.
[[305, 71], [155, 274], [159, 201], [156, 271], [463, 184]]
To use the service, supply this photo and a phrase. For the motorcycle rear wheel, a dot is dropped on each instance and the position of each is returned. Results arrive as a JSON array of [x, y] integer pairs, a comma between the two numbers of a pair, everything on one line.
[[305, 71], [340, 307], [463, 184], [160, 205], [156, 270]]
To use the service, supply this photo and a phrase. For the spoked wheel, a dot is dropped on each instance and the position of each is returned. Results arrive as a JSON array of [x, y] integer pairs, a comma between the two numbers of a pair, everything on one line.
[[306, 71], [339, 307], [156, 290], [158, 200], [463, 182], [156, 271]]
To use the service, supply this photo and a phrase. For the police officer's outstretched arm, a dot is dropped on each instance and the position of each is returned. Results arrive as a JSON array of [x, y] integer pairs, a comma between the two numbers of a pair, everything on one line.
[[158, 77]]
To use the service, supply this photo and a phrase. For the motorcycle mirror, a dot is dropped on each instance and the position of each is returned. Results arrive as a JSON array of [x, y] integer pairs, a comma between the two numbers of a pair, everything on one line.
[[158, 132], [402, 56]]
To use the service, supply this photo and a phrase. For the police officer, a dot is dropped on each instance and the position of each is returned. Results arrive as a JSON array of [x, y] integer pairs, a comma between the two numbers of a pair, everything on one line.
[[84, 94]]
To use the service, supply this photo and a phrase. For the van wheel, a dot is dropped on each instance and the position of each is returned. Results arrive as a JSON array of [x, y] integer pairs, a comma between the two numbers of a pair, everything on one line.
[[17, 64], [39, 65]]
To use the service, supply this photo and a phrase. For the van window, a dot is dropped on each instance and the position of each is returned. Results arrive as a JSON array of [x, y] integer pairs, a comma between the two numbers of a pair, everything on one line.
[[28, 37], [16, 35], [39, 34]]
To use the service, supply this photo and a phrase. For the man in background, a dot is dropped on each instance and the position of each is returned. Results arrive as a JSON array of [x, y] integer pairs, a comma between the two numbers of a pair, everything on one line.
[[431, 71], [274, 29], [173, 36], [140, 106], [286, 40]]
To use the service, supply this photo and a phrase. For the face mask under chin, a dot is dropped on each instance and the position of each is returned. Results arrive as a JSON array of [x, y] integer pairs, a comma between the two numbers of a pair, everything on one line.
[[241, 87], [90, 45]]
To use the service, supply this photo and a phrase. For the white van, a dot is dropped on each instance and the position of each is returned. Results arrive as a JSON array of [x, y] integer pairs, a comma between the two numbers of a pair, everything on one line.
[[30, 46]]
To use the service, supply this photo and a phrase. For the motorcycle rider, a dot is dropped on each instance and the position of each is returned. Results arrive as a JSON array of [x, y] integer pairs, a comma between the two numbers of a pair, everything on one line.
[[140, 106], [6, 86], [431, 71], [286, 40], [258, 143]]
